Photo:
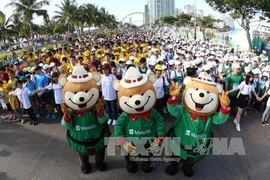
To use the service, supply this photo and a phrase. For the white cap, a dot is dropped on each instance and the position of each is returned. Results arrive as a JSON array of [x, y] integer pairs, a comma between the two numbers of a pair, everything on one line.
[[236, 66], [41, 64], [266, 74], [52, 64], [164, 67], [122, 60], [206, 68], [171, 62], [131, 58], [177, 62], [226, 58], [46, 66], [247, 60], [187, 55], [256, 71], [256, 58], [129, 62], [231, 58]]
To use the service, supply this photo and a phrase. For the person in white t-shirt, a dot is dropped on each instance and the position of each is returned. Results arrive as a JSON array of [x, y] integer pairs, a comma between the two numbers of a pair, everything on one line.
[[23, 93], [109, 93], [57, 89], [244, 96], [159, 87]]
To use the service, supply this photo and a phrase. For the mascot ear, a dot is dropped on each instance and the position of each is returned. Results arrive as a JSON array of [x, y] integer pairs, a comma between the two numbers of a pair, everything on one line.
[[219, 88], [62, 79], [116, 85], [96, 77], [187, 80], [151, 77]]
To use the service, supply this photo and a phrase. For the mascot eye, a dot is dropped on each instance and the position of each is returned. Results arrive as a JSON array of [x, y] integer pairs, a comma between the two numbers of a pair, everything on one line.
[[197, 89], [207, 92], [142, 94], [75, 92], [130, 96], [86, 91]]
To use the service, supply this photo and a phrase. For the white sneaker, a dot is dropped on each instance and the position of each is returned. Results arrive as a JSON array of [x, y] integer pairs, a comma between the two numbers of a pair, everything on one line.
[[109, 121], [114, 122], [22, 121], [238, 127]]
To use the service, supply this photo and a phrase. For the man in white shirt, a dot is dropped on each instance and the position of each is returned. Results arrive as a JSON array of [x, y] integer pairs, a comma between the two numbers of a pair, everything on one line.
[[23, 95]]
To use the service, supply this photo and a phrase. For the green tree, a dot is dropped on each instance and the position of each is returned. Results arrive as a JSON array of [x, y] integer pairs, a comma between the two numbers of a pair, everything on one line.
[[245, 10], [183, 20], [6, 28], [67, 16], [206, 22], [27, 9], [168, 20]]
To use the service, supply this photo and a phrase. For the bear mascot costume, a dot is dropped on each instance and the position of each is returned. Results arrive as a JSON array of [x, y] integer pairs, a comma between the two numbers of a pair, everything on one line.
[[137, 97], [84, 118], [194, 118]]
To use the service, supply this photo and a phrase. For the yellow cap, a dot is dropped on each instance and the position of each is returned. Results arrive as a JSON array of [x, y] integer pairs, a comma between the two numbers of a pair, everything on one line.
[[158, 67]]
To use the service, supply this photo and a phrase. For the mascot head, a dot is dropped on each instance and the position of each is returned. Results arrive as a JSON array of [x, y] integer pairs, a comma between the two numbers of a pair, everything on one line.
[[136, 93], [201, 95], [80, 90]]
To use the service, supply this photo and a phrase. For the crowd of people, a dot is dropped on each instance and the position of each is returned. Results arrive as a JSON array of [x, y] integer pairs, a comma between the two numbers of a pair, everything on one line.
[[30, 82]]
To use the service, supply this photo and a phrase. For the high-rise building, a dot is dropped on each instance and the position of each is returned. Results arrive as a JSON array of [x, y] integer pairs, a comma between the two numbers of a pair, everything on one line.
[[199, 13], [178, 11], [226, 21], [189, 9], [160, 8], [146, 18]]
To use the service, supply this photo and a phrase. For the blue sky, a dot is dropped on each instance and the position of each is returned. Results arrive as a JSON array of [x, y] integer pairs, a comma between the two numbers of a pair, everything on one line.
[[120, 8]]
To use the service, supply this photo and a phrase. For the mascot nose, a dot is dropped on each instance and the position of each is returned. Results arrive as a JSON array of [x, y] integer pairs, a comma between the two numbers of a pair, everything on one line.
[[81, 99], [201, 95], [137, 102]]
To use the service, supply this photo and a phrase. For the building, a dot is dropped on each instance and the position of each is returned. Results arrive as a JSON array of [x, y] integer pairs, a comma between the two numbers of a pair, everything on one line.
[[178, 11], [226, 21], [146, 18], [160, 8], [189, 9], [199, 13]]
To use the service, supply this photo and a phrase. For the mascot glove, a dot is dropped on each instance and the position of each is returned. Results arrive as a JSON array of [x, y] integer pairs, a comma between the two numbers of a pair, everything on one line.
[[129, 148], [224, 99], [100, 104], [156, 142], [175, 89], [65, 110], [67, 118]]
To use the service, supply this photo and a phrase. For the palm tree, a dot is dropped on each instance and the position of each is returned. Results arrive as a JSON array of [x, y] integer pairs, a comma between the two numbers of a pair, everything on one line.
[[67, 16], [17, 25], [91, 14], [29, 8], [6, 28]]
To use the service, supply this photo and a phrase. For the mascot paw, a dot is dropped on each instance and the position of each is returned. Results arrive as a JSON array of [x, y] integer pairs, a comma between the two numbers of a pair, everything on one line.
[[171, 170], [86, 169], [132, 167], [146, 167], [101, 167], [187, 171]]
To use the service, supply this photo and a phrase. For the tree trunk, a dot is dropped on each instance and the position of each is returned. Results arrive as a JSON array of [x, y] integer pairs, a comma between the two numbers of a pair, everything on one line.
[[32, 37], [248, 39], [18, 42], [68, 31], [203, 31]]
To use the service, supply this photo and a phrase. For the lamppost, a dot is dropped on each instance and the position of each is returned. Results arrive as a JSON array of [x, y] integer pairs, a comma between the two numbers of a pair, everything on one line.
[[195, 18]]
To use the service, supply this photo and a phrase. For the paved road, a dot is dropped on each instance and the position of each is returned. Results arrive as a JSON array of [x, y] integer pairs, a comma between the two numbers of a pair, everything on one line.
[[41, 152]]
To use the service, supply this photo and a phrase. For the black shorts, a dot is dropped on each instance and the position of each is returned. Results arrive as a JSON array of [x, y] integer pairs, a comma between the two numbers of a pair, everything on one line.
[[233, 100], [48, 97], [242, 101]]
